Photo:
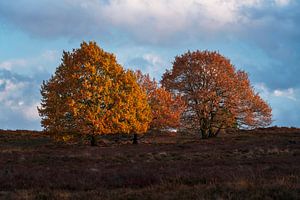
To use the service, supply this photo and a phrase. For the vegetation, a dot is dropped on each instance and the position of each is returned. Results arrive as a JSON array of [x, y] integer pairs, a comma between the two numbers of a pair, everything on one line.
[[217, 96], [256, 164], [166, 108], [92, 94]]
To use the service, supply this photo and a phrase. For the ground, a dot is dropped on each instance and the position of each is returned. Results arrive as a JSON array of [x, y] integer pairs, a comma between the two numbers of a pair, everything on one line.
[[257, 164]]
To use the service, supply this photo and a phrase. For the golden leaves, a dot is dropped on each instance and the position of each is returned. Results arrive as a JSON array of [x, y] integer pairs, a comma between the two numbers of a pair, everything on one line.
[[91, 93]]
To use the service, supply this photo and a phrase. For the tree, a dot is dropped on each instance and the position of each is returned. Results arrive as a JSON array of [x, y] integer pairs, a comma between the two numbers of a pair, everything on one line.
[[166, 108], [91, 94], [217, 95]]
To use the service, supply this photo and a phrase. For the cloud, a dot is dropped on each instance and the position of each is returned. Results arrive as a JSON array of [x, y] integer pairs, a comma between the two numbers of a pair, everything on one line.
[[13, 63], [55, 18], [149, 63], [270, 26], [285, 104], [259, 36], [30, 112], [148, 21], [292, 94], [274, 31], [43, 63], [288, 93], [20, 81], [282, 2], [50, 55], [19, 97]]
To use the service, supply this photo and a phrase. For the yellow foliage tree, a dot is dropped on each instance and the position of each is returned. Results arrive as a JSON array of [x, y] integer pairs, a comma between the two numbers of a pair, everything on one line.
[[91, 94]]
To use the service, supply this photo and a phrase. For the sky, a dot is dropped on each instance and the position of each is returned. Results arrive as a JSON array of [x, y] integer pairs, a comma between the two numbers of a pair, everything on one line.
[[261, 37]]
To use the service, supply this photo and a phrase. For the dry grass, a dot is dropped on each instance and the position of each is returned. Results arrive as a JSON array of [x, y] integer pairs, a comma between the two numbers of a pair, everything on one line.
[[259, 164]]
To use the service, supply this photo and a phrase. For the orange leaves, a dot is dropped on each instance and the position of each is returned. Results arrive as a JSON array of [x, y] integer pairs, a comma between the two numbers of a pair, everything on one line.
[[91, 93], [217, 96], [166, 108]]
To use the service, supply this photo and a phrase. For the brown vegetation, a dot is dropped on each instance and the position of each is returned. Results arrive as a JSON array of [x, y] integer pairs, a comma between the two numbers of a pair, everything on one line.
[[216, 94], [257, 164], [166, 108]]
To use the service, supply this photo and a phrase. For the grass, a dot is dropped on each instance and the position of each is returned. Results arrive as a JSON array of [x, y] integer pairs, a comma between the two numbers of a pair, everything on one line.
[[258, 164]]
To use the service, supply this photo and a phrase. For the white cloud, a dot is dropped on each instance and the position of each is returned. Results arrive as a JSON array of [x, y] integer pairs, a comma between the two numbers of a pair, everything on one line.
[[20, 81], [150, 21], [267, 93], [178, 13], [155, 64], [148, 63], [10, 90], [30, 111], [282, 2], [31, 65], [287, 93], [10, 64], [157, 20], [285, 104], [168, 16], [153, 59], [15, 97], [50, 55]]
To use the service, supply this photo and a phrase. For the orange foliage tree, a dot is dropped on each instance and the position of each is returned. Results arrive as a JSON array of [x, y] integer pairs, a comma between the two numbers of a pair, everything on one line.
[[91, 94], [166, 107], [217, 95]]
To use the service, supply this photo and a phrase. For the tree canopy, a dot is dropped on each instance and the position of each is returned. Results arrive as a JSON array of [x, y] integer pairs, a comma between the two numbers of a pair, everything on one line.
[[216, 94], [166, 108], [90, 93]]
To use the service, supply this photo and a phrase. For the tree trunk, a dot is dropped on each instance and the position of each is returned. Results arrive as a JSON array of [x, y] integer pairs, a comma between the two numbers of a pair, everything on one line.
[[216, 133], [93, 140], [210, 133], [204, 133], [135, 139]]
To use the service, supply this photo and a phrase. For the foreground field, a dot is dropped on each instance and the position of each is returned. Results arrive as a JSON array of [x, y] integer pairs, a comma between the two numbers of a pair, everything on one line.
[[260, 164]]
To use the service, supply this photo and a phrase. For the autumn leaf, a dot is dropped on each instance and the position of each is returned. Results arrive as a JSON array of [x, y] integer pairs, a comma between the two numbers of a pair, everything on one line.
[[166, 108], [91, 94], [216, 94]]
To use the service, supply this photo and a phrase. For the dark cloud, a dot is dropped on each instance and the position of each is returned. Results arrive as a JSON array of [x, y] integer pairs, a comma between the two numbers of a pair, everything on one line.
[[52, 19], [275, 31]]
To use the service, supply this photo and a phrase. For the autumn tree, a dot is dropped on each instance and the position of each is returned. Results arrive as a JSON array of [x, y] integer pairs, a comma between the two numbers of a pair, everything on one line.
[[166, 107], [91, 94], [217, 95]]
